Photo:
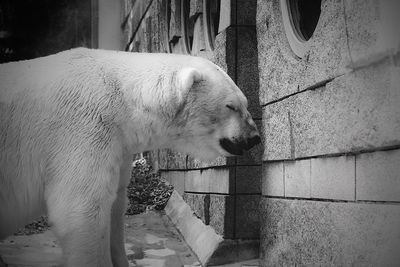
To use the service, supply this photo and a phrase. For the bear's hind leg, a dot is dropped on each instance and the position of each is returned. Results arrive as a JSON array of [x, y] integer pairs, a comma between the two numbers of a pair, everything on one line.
[[81, 221]]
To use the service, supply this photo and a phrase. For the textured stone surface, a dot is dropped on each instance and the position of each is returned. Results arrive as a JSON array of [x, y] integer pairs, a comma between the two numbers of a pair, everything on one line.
[[312, 233], [247, 224], [277, 131], [200, 204], [176, 178], [221, 212], [162, 159], [247, 68], [170, 160], [246, 12], [176, 160], [232, 253], [378, 176], [333, 178], [297, 175], [248, 179], [281, 72], [193, 163], [372, 27], [354, 112], [210, 181], [273, 183], [225, 50]]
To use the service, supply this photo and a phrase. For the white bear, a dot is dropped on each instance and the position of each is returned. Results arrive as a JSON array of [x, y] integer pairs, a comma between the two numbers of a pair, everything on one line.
[[70, 123]]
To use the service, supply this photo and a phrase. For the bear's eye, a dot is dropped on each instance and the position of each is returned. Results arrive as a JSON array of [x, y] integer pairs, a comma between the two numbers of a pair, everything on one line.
[[231, 107]]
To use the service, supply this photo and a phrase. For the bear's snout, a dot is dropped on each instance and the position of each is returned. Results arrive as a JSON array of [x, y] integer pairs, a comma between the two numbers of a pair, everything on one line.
[[253, 141], [237, 147]]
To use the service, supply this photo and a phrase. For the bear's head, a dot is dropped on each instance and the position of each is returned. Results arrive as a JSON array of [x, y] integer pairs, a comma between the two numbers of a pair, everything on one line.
[[211, 117]]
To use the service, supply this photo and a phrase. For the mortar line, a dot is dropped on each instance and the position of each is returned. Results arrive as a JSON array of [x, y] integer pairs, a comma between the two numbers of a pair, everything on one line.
[[334, 200], [333, 155], [309, 88], [209, 168]]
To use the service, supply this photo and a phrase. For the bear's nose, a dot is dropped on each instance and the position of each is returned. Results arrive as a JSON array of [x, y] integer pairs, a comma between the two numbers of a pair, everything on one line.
[[252, 141]]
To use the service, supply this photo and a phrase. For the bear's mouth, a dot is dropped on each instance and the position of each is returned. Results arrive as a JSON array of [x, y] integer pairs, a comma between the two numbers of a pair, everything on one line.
[[231, 147]]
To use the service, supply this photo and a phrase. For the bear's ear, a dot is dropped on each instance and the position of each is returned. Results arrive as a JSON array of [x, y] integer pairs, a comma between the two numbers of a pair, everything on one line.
[[185, 78]]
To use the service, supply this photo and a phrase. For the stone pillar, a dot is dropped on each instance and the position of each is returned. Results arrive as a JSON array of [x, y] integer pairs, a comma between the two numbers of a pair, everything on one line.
[[224, 193]]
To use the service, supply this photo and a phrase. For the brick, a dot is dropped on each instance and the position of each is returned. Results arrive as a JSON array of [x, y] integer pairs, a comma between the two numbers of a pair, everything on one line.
[[316, 233], [176, 160], [169, 159], [200, 204], [297, 178], [372, 28], [221, 212], [193, 163], [247, 217], [272, 179], [248, 179], [175, 178], [246, 12], [378, 176], [333, 178], [353, 113], [247, 68], [281, 72], [224, 54], [162, 159], [209, 181]]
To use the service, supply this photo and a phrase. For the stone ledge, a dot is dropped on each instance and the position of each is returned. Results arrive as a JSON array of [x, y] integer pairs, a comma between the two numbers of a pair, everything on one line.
[[202, 239], [210, 248]]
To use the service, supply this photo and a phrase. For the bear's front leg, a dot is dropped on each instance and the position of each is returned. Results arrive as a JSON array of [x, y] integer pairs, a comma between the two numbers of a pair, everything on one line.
[[118, 254], [80, 211]]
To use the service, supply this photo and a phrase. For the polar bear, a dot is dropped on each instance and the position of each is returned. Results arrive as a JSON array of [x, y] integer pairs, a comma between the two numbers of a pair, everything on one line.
[[70, 123]]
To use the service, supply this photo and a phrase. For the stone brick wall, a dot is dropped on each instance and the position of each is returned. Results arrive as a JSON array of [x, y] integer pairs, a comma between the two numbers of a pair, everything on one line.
[[224, 193], [331, 125]]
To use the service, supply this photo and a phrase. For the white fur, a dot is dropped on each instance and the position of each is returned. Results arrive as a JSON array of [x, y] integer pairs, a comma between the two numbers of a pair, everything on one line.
[[70, 123]]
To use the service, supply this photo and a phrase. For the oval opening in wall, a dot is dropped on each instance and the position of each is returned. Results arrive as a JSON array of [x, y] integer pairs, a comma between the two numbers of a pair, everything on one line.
[[300, 18]]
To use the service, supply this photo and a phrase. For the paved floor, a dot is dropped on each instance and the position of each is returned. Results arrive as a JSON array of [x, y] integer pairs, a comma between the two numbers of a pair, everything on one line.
[[151, 241]]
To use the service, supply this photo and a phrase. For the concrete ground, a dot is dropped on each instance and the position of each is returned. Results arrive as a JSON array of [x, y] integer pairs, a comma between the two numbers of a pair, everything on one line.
[[151, 240]]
